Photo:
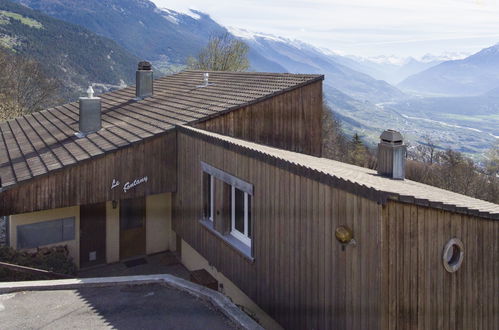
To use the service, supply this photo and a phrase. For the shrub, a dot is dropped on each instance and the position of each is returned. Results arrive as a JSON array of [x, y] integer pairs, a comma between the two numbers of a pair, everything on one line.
[[55, 259]]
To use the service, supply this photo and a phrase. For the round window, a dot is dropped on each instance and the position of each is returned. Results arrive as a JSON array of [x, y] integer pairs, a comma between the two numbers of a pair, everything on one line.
[[453, 255]]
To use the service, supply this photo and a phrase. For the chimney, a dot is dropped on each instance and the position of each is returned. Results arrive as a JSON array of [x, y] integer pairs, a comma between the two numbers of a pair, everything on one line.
[[144, 83], [391, 155], [90, 114]]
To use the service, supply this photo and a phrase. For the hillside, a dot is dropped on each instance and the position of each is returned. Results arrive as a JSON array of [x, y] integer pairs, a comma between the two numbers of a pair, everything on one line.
[[446, 120], [68, 52], [473, 75], [392, 70], [138, 25], [298, 57], [367, 105]]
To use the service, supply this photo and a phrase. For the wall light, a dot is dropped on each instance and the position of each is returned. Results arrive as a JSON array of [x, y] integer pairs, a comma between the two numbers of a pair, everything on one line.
[[344, 235]]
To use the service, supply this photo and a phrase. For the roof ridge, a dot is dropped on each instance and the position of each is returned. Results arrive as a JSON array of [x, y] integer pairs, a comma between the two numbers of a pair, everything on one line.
[[367, 181]]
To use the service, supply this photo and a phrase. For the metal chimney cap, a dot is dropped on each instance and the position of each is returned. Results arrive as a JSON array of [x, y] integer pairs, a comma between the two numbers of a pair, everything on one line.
[[144, 65], [90, 92], [392, 137]]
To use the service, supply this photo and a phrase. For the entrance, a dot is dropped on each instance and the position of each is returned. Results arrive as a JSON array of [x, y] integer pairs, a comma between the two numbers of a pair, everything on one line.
[[132, 228], [92, 234]]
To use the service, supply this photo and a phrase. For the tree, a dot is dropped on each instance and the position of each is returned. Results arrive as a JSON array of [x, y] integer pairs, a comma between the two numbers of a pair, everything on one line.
[[24, 87], [425, 151], [492, 162], [223, 53], [334, 142], [359, 154]]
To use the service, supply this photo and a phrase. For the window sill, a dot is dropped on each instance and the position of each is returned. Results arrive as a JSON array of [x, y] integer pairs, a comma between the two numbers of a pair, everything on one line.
[[233, 242]]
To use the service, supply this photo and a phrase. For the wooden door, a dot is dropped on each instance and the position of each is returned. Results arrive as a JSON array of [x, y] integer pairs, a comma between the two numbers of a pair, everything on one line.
[[132, 228], [92, 234]]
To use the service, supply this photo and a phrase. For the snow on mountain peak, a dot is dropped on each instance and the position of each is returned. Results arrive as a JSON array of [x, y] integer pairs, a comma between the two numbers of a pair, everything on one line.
[[172, 15], [389, 59], [249, 35], [446, 56], [258, 36]]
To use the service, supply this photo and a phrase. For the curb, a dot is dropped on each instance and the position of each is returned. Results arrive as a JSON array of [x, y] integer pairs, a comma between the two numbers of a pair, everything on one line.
[[218, 300]]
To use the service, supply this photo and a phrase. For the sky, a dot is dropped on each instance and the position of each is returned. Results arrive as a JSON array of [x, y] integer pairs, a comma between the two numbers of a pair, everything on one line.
[[361, 27]]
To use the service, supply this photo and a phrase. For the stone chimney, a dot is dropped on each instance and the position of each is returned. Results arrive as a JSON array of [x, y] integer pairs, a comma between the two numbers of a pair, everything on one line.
[[144, 83], [90, 114], [391, 155]]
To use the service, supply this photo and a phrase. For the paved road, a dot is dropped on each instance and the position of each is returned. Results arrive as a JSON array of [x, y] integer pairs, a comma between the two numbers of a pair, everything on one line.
[[119, 307]]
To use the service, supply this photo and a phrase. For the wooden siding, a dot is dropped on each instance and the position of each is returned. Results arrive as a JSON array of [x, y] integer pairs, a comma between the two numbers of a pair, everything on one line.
[[420, 293], [300, 274], [90, 181], [292, 121]]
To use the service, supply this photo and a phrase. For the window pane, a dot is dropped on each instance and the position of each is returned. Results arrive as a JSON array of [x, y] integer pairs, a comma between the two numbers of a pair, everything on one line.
[[239, 211], [206, 195], [44, 233], [249, 216], [68, 229]]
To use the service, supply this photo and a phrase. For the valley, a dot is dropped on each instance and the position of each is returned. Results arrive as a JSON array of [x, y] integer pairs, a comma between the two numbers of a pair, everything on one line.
[[435, 96]]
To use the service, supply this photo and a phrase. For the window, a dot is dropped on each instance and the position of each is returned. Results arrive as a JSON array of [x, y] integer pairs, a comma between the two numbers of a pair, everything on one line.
[[241, 216], [453, 255], [226, 203], [45, 233], [208, 196]]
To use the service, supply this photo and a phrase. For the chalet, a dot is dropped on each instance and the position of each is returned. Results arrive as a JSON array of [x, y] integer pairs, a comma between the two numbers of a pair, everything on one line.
[[226, 169]]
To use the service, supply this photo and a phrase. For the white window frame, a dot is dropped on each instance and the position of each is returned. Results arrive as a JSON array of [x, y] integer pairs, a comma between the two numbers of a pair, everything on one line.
[[243, 237], [212, 198]]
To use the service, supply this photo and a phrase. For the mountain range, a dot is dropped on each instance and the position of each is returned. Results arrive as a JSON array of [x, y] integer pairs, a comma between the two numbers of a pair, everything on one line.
[[69, 52], [394, 69], [473, 75], [138, 25], [369, 95], [298, 57]]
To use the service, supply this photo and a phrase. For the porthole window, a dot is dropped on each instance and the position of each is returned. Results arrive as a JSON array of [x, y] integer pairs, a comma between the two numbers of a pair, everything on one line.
[[453, 255]]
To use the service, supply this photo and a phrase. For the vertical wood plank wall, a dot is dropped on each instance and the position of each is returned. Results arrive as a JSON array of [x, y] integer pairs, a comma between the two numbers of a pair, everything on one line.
[[300, 275], [292, 121], [90, 181], [420, 294]]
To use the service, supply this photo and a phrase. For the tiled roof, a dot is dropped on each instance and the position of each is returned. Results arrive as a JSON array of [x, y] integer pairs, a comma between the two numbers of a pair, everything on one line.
[[36, 144], [356, 179]]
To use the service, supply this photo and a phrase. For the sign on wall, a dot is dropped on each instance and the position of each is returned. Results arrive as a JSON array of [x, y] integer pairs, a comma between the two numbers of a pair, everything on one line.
[[129, 184]]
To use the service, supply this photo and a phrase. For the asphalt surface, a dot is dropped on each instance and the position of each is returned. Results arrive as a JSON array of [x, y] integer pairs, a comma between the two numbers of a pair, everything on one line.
[[119, 307], [162, 263]]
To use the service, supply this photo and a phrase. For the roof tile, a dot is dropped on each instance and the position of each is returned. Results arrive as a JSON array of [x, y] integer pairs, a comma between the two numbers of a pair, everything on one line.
[[42, 142]]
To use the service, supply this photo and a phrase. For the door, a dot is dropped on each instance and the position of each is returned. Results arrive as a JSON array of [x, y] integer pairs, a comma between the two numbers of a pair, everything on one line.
[[132, 228], [92, 234]]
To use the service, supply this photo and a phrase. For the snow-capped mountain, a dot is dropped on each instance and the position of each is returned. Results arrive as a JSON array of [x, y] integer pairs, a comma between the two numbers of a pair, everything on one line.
[[395, 69], [355, 87], [145, 30], [473, 75], [296, 56]]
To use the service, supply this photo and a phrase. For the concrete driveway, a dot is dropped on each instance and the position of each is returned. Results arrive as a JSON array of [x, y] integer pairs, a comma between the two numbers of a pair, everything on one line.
[[150, 306]]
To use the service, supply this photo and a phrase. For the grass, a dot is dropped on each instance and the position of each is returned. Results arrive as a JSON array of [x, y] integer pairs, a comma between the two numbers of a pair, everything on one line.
[[25, 20], [474, 118], [8, 42]]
